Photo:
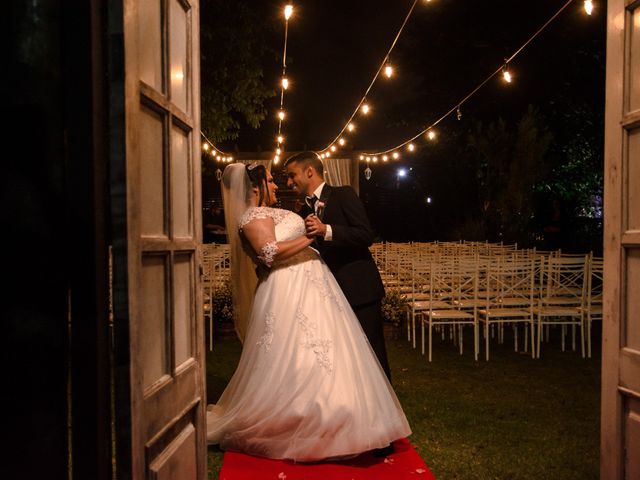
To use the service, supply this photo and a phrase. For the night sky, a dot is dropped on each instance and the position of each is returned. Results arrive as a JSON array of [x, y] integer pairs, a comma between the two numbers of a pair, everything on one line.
[[447, 48]]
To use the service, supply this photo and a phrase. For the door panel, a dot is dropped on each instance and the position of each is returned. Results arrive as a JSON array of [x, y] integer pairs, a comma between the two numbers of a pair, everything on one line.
[[163, 382], [620, 433], [178, 38]]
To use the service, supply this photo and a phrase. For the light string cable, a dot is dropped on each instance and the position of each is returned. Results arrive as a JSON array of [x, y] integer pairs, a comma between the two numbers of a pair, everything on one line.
[[284, 85], [456, 107], [375, 77], [214, 151]]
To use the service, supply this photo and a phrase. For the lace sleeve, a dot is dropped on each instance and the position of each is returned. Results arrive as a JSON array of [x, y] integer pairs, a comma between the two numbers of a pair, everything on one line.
[[267, 252], [252, 214], [258, 227]]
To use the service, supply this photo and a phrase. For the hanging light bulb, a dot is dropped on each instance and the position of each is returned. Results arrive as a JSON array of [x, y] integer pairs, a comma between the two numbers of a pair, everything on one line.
[[333, 148], [218, 158], [351, 127], [411, 147], [281, 114], [218, 174], [280, 139], [285, 82], [278, 151], [322, 155], [288, 10], [431, 135], [395, 155], [588, 6], [458, 113], [230, 159], [368, 159], [205, 146], [361, 157], [365, 108], [385, 158], [506, 74], [375, 159], [388, 70], [276, 159], [341, 142], [367, 173]]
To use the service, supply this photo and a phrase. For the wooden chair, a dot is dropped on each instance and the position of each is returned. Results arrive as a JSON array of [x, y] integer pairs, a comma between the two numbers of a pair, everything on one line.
[[561, 297], [591, 308], [451, 283], [509, 300]]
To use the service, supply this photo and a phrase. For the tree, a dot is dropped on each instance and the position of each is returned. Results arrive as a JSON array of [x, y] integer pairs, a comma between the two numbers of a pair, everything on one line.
[[233, 49], [509, 163]]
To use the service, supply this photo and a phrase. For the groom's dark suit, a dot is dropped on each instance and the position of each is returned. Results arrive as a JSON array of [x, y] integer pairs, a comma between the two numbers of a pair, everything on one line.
[[347, 256]]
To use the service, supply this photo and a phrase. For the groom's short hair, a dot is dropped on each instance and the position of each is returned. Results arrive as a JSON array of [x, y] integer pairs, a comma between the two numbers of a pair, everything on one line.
[[306, 159]]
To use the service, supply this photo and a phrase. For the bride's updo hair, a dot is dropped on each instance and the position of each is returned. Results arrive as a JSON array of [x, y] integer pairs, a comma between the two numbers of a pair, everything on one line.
[[258, 177]]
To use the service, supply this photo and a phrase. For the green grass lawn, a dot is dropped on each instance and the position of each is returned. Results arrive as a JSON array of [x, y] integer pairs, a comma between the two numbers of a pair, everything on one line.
[[510, 418]]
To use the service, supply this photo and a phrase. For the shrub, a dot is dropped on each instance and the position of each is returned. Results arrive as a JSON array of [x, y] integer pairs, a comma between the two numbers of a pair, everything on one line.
[[222, 303], [393, 307]]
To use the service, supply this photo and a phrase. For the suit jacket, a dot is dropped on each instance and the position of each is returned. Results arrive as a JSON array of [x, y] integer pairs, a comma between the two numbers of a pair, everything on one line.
[[347, 255]]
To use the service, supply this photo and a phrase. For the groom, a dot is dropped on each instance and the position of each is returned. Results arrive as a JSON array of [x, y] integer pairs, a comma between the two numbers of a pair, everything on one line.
[[336, 216]]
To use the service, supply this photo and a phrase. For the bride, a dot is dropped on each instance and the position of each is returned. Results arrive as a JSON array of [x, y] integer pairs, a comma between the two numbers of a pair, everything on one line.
[[308, 386]]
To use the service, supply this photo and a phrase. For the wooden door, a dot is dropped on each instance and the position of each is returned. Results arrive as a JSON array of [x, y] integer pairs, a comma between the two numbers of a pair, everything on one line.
[[155, 177], [620, 426]]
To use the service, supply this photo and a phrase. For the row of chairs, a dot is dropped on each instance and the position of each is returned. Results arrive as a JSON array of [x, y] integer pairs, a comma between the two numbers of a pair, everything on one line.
[[216, 272], [490, 286]]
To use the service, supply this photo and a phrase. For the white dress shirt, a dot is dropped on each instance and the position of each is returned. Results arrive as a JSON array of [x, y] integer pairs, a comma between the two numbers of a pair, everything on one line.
[[328, 234]]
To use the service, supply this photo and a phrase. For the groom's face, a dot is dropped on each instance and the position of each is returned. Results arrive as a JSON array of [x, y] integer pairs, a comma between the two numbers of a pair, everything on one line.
[[298, 179]]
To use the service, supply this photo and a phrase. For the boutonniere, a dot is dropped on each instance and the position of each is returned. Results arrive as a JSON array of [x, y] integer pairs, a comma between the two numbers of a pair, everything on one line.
[[319, 207]]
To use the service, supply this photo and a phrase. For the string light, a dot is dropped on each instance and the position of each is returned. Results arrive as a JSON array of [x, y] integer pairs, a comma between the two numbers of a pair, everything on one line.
[[209, 148], [456, 108], [363, 106], [284, 83], [351, 127], [341, 141], [388, 70], [431, 135], [395, 155], [506, 74], [588, 7]]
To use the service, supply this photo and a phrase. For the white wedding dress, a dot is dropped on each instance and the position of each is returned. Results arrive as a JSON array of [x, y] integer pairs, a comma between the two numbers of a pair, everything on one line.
[[308, 386]]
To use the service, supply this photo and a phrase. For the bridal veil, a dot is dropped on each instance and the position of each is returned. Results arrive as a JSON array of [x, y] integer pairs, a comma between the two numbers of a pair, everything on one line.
[[237, 196]]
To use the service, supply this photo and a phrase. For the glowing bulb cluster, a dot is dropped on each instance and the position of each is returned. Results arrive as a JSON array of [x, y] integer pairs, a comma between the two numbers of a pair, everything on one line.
[[217, 154], [284, 85]]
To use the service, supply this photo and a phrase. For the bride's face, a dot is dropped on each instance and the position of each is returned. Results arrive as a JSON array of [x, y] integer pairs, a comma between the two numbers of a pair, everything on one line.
[[270, 197]]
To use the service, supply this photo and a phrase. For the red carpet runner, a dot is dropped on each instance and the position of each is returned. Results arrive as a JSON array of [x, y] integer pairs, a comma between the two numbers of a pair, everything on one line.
[[404, 463]]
